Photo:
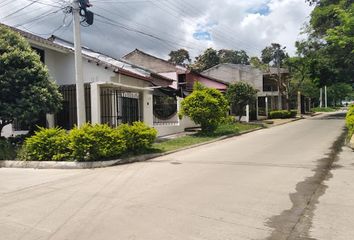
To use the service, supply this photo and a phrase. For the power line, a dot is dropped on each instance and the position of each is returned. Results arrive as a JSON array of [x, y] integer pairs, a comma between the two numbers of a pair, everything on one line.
[[19, 10]]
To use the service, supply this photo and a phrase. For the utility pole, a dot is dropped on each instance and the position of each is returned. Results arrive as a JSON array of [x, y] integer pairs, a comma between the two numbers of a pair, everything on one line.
[[321, 97], [279, 80], [326, 97], [299, 104], [80, 91]]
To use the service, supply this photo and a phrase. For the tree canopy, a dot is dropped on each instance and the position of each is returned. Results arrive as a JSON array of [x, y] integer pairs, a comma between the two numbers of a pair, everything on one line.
[[179, 57], [241, 94], [26, 91], [205, 106], [211, 57]]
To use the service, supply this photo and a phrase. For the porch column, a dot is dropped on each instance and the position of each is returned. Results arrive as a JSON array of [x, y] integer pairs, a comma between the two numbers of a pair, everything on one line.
[[50, 120], [147, 108], [247, 113], [266, 106], [95, 103]]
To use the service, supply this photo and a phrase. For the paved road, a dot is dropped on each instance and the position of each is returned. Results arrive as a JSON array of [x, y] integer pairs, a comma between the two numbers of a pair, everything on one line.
[[264, 185]]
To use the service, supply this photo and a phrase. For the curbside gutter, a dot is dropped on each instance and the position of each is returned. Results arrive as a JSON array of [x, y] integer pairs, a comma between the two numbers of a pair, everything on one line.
[[109, 163]]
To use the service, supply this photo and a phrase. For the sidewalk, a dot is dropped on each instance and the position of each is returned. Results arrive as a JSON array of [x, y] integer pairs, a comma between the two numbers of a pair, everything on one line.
[[333, 217]]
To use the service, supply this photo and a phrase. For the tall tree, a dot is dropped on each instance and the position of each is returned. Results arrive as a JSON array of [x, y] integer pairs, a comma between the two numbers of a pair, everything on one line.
[[274, 55], [26, 92], [331, 28], [180, 57], [240, 95], [233, 56], [209, 58]]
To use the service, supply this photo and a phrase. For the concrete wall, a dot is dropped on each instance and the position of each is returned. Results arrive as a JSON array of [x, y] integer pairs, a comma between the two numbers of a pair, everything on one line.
[[164, 130], [236, 72]]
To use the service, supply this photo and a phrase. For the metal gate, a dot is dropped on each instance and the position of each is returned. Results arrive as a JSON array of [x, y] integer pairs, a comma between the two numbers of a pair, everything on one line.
[[119, 106], [67, 117]]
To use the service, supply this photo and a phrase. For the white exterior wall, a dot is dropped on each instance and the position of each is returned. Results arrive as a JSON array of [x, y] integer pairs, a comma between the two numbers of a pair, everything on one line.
[[164, 130]]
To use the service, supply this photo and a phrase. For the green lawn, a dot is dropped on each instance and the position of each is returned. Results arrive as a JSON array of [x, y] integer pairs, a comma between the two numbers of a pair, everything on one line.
[[323, 109], [185, 141]]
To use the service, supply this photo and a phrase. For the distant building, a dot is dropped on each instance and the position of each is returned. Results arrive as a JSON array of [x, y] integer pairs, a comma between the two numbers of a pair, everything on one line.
[[264, 81]]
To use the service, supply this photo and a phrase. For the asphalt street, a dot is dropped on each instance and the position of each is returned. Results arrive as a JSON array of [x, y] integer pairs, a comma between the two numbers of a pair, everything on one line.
[[294, 181]]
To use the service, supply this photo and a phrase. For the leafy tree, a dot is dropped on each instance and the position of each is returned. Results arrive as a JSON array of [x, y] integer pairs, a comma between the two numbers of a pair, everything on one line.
[[274, 55], [179, 57], [206, 60], [240, 95], [26, 92], [205, 106], [339, 92], [331, 29], [233, 56]]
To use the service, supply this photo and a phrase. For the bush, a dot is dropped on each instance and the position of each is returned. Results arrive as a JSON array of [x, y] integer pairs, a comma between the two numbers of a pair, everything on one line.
[[293, 113], [94, 142], [7, 150], [46, 145], [205, 106], [87, 143], [349, 120], [280, 114], [138, 136]]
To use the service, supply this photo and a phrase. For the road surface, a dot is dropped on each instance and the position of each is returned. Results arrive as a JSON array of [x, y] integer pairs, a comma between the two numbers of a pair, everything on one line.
[[286, 182]]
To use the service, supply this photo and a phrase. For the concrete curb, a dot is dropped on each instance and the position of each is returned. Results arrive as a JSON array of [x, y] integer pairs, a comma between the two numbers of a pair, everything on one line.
[[109, 163], [102, 164]]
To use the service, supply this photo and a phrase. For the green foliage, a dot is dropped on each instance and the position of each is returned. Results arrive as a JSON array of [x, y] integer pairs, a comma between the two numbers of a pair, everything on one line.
[[205, 106], [87, 143], [211, 57], [233, 56], [206, 60], [93, 142], [46, 145], [7, 150], [274, 55], [282, 114], [26, 92], [239, 95], [324, 109], [349, 120], [330, 45], [179, 57], [138, 136], [339, 92]]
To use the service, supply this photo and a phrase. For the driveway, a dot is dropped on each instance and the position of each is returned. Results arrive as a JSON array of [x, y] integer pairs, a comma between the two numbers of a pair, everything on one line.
[[264, 185]]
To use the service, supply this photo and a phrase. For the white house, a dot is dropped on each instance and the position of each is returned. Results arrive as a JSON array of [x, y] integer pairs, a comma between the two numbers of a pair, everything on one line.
[[115, 91]]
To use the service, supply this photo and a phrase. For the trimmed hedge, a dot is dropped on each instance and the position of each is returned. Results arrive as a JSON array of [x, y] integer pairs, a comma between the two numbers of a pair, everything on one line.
[[46, 144], [92, 142], [87, 143], [282, 114], [349, 120], [138, 136]]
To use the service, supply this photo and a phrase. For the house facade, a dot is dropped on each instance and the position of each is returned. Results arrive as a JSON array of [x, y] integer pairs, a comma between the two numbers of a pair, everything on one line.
[[182, 86], [115, 92], [268, 96]]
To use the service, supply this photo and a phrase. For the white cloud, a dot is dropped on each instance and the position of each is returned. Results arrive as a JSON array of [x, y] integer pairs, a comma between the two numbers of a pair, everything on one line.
[[241, 24]]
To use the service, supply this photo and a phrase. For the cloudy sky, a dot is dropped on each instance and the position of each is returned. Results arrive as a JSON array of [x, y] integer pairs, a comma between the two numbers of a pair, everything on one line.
[[159, 26]]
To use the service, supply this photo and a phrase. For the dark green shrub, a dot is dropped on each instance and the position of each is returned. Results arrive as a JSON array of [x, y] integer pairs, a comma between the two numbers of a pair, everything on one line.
[[293, 113], [280, 114], [95, 142], [46, 145], [7, 149], [138, 136]]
